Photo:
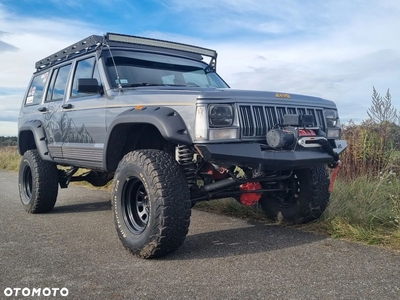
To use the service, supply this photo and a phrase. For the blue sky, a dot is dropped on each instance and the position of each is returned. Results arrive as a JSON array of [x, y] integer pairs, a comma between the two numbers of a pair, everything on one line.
[[334, 49]]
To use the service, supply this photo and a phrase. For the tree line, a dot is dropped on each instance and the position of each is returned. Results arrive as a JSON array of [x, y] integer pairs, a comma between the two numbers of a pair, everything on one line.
[[8, 141]]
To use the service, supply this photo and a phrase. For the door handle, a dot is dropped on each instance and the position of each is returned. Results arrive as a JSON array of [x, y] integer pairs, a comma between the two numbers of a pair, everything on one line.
[[42, 109], [67, 106]]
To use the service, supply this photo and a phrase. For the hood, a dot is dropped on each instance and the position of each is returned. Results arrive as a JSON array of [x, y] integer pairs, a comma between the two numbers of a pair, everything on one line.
[[264, 97], [194, 94]]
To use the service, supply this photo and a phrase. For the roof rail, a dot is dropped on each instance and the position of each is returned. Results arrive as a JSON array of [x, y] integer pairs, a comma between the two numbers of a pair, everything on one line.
[[92, 42]]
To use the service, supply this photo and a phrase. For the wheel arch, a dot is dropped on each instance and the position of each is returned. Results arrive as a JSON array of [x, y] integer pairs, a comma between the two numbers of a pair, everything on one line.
[[148, 128], [31, 135]]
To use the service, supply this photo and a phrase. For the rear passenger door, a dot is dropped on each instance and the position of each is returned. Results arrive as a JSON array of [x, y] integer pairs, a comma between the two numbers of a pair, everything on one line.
[[52, 109], [84, 117]]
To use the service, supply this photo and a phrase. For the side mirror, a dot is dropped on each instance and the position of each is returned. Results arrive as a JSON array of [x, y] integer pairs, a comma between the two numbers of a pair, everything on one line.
[[88, 85]]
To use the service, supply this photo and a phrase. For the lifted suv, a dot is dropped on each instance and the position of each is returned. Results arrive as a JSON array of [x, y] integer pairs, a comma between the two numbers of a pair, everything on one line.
[[156, 118]]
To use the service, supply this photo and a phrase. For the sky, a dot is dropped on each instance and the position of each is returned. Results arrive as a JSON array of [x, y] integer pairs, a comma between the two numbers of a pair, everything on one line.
[[334, 49]]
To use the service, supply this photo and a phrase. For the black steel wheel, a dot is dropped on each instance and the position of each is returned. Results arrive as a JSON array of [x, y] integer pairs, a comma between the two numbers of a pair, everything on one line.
[[151, 203], [136, 206], [305, 200], [38, 183]]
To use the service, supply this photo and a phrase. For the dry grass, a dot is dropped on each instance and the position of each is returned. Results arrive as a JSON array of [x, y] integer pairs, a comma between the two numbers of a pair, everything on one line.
[[366, 210], [372, 149], [9, 158]]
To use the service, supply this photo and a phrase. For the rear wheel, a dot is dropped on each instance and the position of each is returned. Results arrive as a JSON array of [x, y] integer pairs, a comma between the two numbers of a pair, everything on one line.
[[151, 203], [38, 183], [306, 198]]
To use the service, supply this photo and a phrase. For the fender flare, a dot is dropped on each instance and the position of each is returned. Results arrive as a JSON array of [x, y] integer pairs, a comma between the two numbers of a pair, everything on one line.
[[39, 136], [168, 122]]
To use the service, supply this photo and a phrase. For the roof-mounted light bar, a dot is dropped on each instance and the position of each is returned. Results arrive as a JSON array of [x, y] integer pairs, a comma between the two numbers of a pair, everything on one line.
[[160, 43]]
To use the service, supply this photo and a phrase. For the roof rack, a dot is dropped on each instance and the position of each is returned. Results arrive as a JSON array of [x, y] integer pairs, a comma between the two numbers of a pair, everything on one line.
[[88, 44], [92, 42]]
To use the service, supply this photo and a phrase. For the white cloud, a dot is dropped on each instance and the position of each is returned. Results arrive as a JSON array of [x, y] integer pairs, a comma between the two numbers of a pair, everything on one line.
[[29, 39], [333, 49], [340, 63]]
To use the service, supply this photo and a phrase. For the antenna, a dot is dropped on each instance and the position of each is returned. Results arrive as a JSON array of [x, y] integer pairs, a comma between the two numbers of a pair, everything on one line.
[[115, 66]]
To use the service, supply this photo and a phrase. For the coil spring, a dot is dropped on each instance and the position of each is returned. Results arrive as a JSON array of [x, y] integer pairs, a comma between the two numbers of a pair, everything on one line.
[[184, 156]]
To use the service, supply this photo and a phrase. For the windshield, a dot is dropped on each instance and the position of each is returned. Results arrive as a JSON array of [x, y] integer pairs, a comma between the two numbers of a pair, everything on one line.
[[149, 69]]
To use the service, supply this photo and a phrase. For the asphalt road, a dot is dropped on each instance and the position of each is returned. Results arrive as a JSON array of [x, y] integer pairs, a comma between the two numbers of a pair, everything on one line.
[[76, 247]]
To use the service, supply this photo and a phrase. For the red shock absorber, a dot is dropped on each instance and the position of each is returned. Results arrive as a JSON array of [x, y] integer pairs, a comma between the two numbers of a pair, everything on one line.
[[250, 198]]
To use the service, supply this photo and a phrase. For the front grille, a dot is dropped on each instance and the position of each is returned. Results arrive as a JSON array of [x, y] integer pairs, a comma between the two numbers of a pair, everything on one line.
[[257, 120]]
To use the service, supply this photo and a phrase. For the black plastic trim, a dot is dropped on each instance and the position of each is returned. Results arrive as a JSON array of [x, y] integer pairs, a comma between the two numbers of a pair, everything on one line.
[[165, 119], [39, 135]]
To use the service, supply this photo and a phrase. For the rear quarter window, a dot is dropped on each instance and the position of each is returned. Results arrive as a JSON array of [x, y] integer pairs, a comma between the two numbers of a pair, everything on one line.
[[36, 89]]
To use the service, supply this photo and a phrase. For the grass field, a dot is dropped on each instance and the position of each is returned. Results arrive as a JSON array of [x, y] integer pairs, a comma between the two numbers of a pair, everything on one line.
[[365, 210], [9, 158]]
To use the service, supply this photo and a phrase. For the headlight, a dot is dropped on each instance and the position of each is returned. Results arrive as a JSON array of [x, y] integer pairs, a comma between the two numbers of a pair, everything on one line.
[[332, 118], [220, 115]]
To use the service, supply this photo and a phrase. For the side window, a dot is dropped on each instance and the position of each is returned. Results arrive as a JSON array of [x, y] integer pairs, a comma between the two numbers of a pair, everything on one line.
[[86, 68], [35, 92], [58, 83]]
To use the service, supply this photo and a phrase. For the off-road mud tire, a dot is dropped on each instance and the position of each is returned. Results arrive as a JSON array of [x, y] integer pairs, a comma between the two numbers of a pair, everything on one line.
[[151, 203], [307, 200], [38, 183]]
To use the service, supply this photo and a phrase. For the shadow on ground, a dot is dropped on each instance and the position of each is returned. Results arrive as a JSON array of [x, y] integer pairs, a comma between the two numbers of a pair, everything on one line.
[[82, 207], [242, 241]]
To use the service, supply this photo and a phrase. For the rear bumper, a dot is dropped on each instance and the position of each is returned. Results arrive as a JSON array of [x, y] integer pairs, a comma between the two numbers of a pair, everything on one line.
[[251, 155]]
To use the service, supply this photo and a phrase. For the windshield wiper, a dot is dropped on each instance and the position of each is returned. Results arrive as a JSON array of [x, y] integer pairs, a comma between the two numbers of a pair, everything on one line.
[[137, 84], [141, 84]]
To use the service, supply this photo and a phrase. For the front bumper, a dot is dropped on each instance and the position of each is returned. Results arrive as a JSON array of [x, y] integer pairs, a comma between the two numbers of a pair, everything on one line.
[[253, 156]]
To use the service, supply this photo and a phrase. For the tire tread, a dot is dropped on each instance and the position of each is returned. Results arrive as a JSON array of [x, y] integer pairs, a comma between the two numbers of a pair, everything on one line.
[[44, 183], [172, 202]]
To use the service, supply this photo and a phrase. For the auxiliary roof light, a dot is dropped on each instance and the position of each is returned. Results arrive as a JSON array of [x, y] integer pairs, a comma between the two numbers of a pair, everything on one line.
[[160, 43]]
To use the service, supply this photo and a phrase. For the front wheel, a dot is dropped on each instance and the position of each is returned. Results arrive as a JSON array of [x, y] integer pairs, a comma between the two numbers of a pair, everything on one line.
[[305, 200], [151, 203], [38, 183]]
